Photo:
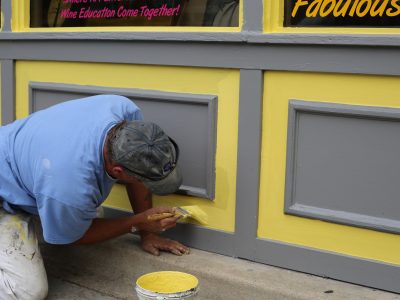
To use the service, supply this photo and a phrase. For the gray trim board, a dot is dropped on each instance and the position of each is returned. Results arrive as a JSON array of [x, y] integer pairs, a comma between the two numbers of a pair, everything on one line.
[[250, 35], [360, 209], [253, 16], [209, 101], [6, 9], [322, 263], [248, 168], [216, 241], [316, 58], [328, 264], [7, 91]]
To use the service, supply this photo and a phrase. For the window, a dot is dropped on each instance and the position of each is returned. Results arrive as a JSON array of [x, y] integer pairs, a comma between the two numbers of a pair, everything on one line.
[[78, 13], [342, 13]]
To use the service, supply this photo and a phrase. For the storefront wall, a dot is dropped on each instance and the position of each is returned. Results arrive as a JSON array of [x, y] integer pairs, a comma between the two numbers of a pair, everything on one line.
[[297, 157]]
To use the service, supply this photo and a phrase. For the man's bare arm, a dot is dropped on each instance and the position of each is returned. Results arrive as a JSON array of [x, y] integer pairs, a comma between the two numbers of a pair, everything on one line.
[[105, 229], [141, 200]]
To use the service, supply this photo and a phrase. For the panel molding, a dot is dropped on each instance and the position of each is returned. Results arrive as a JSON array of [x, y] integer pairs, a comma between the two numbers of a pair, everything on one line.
[[210, 101], [297, 107]]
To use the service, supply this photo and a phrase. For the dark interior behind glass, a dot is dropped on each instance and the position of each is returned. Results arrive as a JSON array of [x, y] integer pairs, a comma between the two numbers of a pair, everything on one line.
[[82, 13]]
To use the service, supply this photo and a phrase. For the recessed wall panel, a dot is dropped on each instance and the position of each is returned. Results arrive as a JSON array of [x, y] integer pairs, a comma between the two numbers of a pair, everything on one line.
[[188, 118], [343, 164]]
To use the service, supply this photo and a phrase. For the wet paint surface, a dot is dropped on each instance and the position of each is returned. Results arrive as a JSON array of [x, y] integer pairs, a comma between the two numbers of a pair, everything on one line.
[[167, 282]]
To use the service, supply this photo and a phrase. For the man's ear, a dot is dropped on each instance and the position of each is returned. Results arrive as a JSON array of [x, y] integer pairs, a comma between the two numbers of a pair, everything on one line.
[[117, 171]]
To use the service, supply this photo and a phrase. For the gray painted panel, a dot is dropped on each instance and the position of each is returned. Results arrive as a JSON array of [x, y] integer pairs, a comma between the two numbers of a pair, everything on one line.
[[358, 60], [7, 91], [188, 118], [343, 164], [248, 168]]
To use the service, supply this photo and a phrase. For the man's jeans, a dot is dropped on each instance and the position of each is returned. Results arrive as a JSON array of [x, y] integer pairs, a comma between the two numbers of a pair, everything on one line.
[[22, 273]]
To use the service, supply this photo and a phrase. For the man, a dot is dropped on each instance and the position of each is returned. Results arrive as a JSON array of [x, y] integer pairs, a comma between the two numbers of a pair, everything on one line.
[[59, 164]]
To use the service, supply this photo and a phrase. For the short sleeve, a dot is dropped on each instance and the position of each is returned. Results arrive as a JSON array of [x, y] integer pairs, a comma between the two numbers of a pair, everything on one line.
[[133, 112], [62, 223]]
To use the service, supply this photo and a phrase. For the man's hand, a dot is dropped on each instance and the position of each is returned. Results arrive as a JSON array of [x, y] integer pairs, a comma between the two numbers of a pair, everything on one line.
[[157, 219], [153, 243]]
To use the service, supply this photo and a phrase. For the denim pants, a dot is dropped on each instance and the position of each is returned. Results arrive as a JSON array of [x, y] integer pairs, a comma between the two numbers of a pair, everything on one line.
[[22, 273]]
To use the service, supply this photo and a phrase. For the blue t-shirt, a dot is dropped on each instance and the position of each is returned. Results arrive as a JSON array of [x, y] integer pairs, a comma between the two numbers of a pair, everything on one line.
[[52, 163]]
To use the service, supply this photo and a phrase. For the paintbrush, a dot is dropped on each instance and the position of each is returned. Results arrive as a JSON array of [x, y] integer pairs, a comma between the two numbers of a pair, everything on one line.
[[160, 216], [184, 212]]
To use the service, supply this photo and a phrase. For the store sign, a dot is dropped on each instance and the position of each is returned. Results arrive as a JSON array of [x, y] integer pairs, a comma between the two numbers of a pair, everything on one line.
[[87, 13], [366, 13], [104, 10], [82, 13]]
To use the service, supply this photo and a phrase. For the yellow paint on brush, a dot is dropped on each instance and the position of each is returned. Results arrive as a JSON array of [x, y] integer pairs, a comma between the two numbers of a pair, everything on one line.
[[167, 282]]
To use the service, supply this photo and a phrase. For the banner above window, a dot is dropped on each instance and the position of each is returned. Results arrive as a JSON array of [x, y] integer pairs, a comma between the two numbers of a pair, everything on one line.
[[87, 13], [342, 13]]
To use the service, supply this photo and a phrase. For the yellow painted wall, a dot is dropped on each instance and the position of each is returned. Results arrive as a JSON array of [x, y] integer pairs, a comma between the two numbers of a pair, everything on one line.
[[1, 19], [223, 83], [21, 17], [274, 16], [273, 223]]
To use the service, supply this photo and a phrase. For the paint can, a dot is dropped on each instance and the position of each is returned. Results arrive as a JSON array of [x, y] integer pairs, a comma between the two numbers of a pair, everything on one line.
[[167, 285]]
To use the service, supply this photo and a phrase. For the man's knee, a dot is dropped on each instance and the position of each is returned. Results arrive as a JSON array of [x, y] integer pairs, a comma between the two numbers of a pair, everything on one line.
[[22, 272], [36, 289], [16, 287]]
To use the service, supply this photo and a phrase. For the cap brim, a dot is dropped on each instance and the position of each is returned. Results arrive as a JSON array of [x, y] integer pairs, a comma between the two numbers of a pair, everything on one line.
[[166, 186]]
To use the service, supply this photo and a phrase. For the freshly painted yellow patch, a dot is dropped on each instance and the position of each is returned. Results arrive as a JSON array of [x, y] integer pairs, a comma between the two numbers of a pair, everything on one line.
[[274, 20], [273, 224], [167, 282], [194, 212], [221, 82]]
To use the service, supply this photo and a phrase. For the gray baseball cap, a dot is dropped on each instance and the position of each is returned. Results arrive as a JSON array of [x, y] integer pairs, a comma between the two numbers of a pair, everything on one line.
[[148, 154]]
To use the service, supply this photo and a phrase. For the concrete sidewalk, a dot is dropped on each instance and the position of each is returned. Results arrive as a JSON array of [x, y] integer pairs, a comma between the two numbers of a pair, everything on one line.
[[109, 270]]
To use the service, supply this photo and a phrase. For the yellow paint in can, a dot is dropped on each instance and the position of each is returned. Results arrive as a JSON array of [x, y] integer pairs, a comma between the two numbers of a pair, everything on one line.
[[167, 282]]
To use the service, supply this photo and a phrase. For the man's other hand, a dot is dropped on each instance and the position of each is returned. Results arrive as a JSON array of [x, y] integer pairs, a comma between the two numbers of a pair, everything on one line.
[[153, 244]]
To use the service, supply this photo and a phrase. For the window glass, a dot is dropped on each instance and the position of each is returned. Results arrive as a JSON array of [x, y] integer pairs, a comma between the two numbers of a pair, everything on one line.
[[342, 13], [76, 13]]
